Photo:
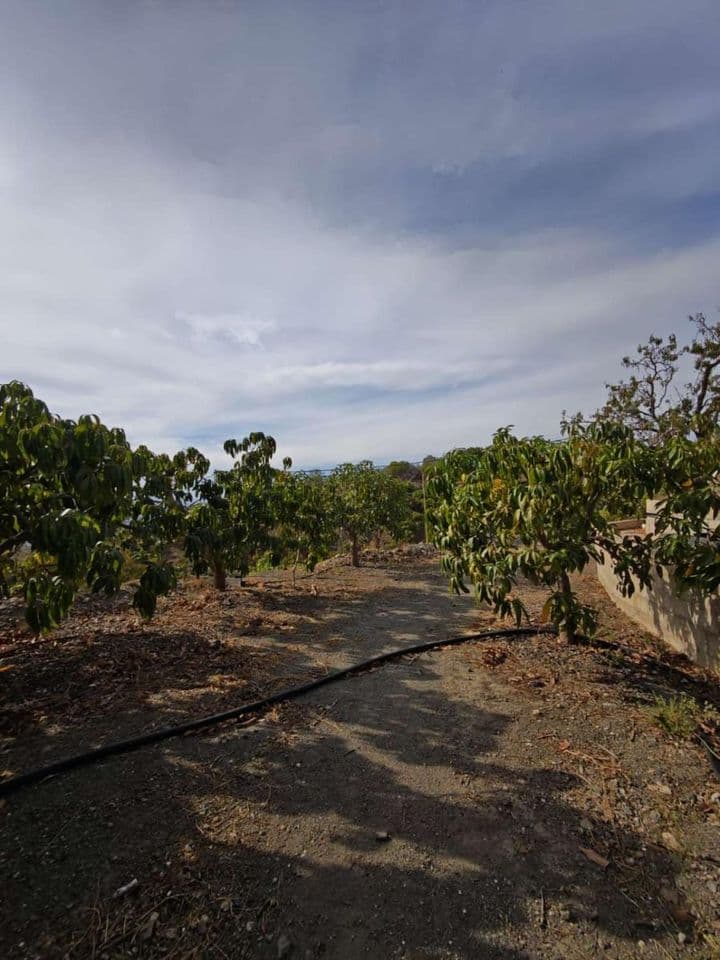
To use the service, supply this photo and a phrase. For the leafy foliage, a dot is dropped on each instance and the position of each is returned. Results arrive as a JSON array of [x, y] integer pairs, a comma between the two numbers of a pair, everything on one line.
[[678, 716], [73, 493], [541, 510], [232, 520], [404, 470], [652, 403], [305, 522], [366, 502], [687, 533]]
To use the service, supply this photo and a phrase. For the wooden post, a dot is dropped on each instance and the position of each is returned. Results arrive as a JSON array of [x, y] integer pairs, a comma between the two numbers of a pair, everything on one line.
[[425, 516]]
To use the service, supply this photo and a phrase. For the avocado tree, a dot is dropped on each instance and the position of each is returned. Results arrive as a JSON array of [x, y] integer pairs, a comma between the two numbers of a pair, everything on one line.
[[686, 520], [654, 402], [305, 523], [404, 470], [542, 510], [158, 516], [74, 498], [366, 501], [232, 518], [394, 508]]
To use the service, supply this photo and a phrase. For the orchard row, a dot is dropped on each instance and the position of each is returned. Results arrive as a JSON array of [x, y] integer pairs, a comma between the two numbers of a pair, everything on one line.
[[78, 505]]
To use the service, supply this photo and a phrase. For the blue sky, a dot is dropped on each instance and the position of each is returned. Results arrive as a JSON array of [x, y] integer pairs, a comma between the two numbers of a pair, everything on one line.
[[374, 229]]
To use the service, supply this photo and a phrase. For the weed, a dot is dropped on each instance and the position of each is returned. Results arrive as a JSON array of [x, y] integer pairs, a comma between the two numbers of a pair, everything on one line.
[[712, 943], [615, 658], [678, 716]]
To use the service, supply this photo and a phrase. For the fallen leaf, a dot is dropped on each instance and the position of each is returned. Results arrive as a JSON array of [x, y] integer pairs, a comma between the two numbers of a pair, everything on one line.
[[661, 788], [127, 888], [595, 857], [671, 841], [680, 913], [563, 745]]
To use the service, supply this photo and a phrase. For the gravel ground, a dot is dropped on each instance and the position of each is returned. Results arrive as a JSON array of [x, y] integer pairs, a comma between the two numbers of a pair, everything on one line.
[[502, 799]]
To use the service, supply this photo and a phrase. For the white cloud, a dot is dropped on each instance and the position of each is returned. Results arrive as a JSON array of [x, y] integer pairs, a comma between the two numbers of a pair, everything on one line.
[[203, 229], [227, 327]]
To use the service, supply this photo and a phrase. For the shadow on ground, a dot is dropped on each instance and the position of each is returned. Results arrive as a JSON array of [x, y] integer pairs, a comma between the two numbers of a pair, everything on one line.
[[244, 841]]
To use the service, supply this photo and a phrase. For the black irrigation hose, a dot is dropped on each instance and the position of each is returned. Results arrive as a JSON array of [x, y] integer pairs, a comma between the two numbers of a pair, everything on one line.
[[165, 733], [712, 756], [134, 743]]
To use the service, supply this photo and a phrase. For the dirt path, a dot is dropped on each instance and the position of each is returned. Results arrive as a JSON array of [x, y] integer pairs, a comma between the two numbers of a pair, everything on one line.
[[419, 811]]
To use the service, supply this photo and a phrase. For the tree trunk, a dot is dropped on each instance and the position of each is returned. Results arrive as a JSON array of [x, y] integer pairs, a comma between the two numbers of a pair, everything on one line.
[[567, 629], [355, 552], [219, 574]]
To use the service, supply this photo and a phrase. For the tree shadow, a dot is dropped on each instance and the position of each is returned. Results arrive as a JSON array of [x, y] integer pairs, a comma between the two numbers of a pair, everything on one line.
[[390, 816], [95, 683]]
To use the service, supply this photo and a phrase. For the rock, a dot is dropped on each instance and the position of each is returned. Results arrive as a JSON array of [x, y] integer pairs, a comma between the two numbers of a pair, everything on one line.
[[682, 937], [147, 931], [382, 836], [284, 946]]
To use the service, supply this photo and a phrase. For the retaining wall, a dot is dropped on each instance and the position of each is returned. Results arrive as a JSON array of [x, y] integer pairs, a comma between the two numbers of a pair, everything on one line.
[[687, 622]]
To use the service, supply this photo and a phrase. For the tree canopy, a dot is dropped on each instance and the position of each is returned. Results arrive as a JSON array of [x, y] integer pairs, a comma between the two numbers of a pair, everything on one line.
[[77, 497], [533, 508], [231, 520], [366, 502], [654, 403]]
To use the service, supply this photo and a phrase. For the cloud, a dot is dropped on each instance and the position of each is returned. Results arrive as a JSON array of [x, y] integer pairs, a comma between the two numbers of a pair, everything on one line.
[[370, 233]]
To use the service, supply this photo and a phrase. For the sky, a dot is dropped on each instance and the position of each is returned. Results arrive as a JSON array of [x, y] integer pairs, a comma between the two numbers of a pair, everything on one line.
[[372, 229]]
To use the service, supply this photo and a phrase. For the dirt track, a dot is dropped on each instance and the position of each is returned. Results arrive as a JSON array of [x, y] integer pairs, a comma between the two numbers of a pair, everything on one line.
[[456, 805]]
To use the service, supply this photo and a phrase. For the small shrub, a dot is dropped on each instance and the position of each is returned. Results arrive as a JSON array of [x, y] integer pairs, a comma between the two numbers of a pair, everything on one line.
[[616, 658], [678, 716]]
